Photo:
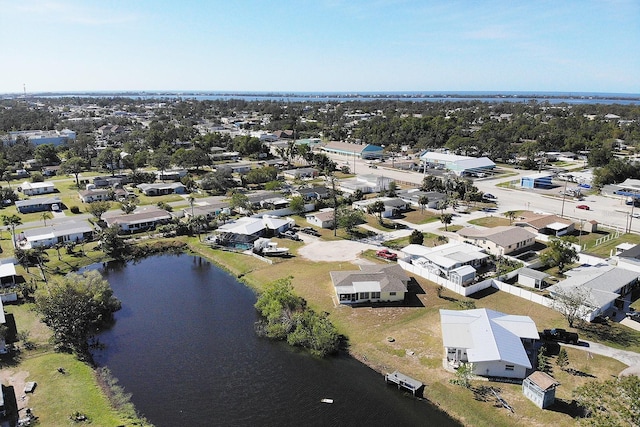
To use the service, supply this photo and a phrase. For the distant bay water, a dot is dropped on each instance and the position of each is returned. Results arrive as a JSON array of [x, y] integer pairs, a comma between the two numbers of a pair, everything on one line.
[[522, 97], [184, 345]]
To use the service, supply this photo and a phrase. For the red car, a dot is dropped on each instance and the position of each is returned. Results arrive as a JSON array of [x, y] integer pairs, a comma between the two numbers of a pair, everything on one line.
[[585, 207], [386, 254]]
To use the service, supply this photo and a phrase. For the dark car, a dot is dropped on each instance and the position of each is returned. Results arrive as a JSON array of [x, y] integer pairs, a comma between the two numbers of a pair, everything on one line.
[[557, 334], [585, 207], [634, 315], [489, 196]]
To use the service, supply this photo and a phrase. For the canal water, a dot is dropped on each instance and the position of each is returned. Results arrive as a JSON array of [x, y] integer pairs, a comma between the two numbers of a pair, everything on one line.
[[184, 346]]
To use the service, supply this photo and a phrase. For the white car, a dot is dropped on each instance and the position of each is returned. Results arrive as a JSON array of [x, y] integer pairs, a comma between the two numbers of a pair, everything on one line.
[[55, 207]]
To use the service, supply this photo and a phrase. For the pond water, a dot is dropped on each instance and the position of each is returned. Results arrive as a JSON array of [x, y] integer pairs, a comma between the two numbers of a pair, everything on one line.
[[184, 346]]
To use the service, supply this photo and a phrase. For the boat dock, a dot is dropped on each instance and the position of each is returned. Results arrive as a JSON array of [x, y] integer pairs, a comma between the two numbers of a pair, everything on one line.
[[403, 381]]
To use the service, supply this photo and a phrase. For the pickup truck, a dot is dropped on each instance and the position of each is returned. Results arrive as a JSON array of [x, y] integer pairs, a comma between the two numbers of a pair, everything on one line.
[[559, 335], [386, 254]]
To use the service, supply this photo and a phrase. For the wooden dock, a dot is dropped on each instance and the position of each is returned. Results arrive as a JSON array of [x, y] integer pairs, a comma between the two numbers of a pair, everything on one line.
[[403, 381]]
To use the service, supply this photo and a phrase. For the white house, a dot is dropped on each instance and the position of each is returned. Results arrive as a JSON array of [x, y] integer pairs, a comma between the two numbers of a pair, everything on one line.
[[322, 219], [45, 237], [260, 226], [606, 289], [445, 259], [171, 174], [8, 274], [392, 205], [497, 344], [95, 195], [35, 188], [365, 183], [373, 283]]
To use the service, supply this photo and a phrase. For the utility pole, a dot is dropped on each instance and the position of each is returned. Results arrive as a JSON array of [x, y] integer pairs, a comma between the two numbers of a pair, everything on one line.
[[564, 196]]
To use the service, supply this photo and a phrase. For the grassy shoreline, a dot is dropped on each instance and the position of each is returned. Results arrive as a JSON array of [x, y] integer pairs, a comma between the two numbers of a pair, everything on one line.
[[416, 349]]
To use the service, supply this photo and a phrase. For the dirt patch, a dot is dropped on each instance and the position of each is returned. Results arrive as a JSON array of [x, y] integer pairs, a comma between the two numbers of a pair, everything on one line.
[[17, 380], [344, 250]]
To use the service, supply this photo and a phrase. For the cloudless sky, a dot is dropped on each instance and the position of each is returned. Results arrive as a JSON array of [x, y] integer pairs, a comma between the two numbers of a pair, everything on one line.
[[320, 45]]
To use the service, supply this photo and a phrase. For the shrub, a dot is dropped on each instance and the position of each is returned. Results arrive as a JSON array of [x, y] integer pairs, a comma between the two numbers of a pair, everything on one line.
[[74, 209]]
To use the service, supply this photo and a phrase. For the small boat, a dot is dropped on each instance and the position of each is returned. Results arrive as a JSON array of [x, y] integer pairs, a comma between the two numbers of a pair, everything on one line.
[[327, 401], [272, 249]]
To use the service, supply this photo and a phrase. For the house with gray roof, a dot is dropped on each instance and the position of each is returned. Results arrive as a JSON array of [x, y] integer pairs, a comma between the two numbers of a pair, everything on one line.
[[38, 204], [606, 289], [502, 240], [46, 237], [142, 219], [413, 196], [497, 344], [159, 189], [371, 284]]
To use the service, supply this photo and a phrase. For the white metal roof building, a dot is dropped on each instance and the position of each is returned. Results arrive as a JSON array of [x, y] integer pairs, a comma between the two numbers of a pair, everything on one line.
[[460, 165], [495, 343]]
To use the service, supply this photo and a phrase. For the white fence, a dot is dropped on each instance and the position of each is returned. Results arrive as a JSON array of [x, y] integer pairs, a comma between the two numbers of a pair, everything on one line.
[[476, 287]]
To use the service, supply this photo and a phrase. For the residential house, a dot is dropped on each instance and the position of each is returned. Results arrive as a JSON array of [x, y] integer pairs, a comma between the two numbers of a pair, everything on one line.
[[547, 224], [209, 210], [312, 193], [142, 219], [392, 205], [110, 181], [540, 388], [37, 204], [95, 195], [265, 226], [171, 174], [300, 173], [161, 189], [323, 219], [499, 241], [36, 188], [414, 195], [371, 284], [532, 278], [444, 259], [8, 274], [628, 256], [365, 183], [46, 237], [606, 289], [496, 344]]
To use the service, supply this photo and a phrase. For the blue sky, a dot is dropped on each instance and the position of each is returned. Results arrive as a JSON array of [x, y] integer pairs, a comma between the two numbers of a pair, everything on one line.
[[320, 45]]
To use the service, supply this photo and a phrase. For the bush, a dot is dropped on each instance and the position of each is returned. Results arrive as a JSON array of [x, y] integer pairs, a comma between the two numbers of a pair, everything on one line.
[[74, 209]]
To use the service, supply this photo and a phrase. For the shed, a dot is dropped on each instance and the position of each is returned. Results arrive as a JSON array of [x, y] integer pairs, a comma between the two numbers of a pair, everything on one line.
[[532, 278], [540, 388], [590, 226]]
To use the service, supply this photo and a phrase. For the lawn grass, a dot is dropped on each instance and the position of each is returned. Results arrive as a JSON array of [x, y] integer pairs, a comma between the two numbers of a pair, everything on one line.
[[430, 240], [490, 221], [420, 217]]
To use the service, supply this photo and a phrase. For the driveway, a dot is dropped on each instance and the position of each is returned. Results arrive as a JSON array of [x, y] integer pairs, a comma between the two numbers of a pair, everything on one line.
[[629, 358]]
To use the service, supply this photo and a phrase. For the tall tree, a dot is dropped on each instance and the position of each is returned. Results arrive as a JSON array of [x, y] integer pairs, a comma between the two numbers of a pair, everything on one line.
[[559, 253], [75, 306], [72, 166], [376, 207], [12, 221]]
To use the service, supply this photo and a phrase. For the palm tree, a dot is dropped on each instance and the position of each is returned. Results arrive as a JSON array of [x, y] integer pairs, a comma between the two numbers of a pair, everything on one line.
[[446, 219], [45, 216], [376, 207], [423, 201], [511, 215], [12, 221]]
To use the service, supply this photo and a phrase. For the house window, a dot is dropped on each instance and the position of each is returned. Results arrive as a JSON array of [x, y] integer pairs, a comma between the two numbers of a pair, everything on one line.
[[509, 367], [392, 293], [375, 295], [364, 295]]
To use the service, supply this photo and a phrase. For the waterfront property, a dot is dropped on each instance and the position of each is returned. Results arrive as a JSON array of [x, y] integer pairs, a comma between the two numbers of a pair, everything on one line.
[[497, 344], [45, 237], [141, 220], [373, 283], [444, 259]]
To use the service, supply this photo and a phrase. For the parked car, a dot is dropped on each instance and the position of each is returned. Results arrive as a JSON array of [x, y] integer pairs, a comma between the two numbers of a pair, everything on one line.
[[557, 334], [289, 234], [489, 196], [311, 231], [387, 254], [634, 315], [584, 207]]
